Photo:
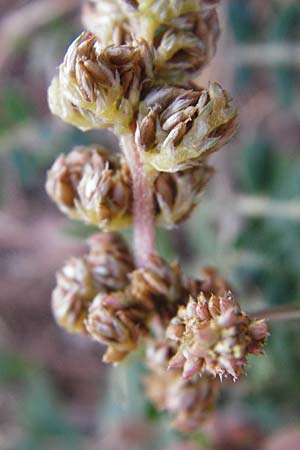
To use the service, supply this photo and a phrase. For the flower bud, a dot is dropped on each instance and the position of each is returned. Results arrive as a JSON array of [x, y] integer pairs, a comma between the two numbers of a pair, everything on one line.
[[93, 185], [73, 294], [110, 260], [186, 45], [159, 285], [100, 84], [189, 402], [212, 284], [176, 194], [105, 195], [154, 13], [177, 126], [214, 336], [64, 176], [107, 21], [118, 321]]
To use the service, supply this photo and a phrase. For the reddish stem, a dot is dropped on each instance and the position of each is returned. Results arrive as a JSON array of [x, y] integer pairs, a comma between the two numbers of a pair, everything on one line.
[[143, 208]]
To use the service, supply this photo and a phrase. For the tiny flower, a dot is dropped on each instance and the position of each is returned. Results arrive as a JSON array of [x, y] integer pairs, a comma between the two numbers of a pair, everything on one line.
[[186, 45], [117, 320], [100, 84], [214, 336], [176, 194], [177, 127], [110, 260], [75, 289]]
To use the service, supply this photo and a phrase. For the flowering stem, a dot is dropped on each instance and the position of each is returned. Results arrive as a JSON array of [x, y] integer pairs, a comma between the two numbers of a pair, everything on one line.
[[143, 208], [279, 313]]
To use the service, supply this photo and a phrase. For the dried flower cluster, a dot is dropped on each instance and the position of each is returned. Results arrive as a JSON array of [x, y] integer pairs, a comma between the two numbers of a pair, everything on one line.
[[131, 72]]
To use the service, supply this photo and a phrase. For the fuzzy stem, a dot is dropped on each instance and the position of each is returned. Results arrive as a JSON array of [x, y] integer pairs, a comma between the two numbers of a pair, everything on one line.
[[279, 313], [143, 208]]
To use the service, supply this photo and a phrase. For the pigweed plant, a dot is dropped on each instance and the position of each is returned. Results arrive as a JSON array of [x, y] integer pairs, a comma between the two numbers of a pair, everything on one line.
[[132, 72]]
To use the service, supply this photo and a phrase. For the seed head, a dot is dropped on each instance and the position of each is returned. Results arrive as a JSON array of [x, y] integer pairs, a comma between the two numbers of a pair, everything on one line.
[[110, 260], [93, 185], [186, 45], [154, 13], [107, 21], [73, 294], [117, 320], [159, 285], [176, 194], [190, 124], [63, 179], [105, 194], [214, 336], [189, 402], [101, 84]]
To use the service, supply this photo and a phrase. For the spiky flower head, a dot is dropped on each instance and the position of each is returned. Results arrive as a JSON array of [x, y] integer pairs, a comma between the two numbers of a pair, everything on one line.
[[93, 185], [110, 260], [152, 14], [186, 45], [107, 21], [214, 336], [189, 402], [176, 194], [117, 320], [64, 176], [99, 87], [177, 127], [159, 284], [74, 291]]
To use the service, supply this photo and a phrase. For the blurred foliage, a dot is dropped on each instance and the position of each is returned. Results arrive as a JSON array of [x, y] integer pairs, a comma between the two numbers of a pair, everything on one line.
[[271, 394], [40, 414], [282, 26], [286, 28]]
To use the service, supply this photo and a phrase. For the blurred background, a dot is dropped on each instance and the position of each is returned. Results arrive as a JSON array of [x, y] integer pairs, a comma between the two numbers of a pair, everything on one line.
[[54, 391]]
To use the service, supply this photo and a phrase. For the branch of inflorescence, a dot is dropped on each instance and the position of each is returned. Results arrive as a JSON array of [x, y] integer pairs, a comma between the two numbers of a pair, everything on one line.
[[143, 207], [278, 313]]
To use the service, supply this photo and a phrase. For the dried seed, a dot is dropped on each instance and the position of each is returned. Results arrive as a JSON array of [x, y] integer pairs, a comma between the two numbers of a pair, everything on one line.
[[85, 82], [147, 130], [119, 55], [178, 133], [182, 102], [166, 188], [126, 81], [181, 116], [160, 98], [133, 3], [101, 73]]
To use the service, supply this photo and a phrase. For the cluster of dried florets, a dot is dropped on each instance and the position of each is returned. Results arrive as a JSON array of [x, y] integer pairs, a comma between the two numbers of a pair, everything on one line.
[[131, 72], [94, 185]]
